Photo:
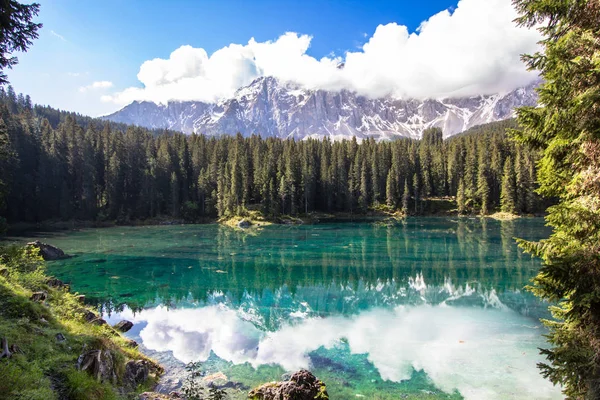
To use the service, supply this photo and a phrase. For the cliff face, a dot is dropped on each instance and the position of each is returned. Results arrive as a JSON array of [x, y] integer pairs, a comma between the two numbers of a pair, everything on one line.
[[272, 108]]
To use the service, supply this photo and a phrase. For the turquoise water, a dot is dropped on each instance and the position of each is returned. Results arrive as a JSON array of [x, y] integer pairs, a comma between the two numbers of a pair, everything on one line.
[[432, 308]]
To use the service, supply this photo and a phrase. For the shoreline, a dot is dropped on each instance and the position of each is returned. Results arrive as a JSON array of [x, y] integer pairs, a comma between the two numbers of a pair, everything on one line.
[[253, 220]]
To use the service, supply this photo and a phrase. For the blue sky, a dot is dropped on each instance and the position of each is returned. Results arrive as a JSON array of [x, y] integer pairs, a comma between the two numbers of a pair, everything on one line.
[[87, 41]]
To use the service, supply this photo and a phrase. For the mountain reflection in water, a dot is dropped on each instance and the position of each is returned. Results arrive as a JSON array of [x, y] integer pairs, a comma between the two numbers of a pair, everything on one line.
[[433, 307]]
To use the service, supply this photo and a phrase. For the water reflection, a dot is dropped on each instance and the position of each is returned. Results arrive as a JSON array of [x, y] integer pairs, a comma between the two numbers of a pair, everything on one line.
[[174, 265], [481, 353], [431, 306]]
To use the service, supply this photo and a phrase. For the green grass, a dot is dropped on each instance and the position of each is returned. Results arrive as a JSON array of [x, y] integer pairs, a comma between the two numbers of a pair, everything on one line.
[[46, 368]]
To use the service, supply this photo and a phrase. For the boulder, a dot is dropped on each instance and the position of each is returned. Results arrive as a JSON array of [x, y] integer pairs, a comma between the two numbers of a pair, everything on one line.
[[4, 272], [123, 326], [47, 251], [99, 364], [244, 224], [80, 298], [132, 343], [302, 385], [136, 373], [16, 349], [39, 296], [60, 337], [88, 315], [55, 283], [98, 321]]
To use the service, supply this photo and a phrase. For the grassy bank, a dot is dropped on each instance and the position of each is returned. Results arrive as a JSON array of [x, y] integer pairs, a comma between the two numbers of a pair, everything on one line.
[[46, 336]]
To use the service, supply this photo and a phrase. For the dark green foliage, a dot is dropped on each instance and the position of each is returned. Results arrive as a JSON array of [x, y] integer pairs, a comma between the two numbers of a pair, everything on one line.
[[566, 128], [405, 197], [94, 170], [461, 201], [17, 32], [508, 190]]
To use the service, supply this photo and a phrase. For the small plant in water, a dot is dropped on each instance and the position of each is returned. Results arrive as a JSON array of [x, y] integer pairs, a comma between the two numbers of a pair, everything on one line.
[[194, 390], [217, 394]]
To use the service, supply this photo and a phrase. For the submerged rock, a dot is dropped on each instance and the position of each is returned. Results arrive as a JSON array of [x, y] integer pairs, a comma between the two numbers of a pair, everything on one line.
[[47, 251], [123, 326], [303, 385]]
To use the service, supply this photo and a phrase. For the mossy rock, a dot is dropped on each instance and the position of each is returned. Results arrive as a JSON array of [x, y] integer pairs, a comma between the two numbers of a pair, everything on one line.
[[303, 385]]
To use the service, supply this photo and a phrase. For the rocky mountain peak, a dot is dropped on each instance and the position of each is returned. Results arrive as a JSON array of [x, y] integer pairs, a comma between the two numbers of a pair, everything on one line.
[[270, 107]]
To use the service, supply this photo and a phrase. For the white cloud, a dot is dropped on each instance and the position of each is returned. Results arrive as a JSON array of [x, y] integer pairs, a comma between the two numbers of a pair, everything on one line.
[[474, 49], [77, 74], [61, 37], [96, 85]]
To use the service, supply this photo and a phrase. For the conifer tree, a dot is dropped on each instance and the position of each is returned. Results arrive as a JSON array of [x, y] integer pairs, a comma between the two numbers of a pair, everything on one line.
[[405, 197], [5, 161], [507, 194], [17, 32], [80, 171], [175, 206], [565, 128], [417, 192], [483, 190], [363, 199], [375, 181], [461, 198], [390, 190]]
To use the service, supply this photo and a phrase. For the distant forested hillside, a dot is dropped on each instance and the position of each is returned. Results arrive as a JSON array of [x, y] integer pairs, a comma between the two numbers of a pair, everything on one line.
[[60, 165]]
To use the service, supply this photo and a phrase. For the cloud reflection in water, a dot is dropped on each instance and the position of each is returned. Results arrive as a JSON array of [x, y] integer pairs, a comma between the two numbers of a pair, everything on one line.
[[483, 353]]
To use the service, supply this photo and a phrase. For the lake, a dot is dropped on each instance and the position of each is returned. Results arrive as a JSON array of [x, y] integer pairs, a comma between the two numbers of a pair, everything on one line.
[[433, 308]]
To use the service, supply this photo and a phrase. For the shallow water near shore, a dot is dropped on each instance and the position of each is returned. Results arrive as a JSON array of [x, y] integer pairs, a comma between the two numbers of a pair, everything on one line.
[[431, 308]]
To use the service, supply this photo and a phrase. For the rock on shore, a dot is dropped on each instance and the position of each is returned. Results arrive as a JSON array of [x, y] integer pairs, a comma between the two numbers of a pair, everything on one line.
[[303, 385], [47, 251]]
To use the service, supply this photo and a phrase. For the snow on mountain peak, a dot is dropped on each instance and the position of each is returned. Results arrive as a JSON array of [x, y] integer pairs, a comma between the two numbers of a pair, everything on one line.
[[281, 109]]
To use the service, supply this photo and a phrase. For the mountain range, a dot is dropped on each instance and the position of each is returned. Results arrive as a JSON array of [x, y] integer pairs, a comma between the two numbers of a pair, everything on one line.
[[270, 107]]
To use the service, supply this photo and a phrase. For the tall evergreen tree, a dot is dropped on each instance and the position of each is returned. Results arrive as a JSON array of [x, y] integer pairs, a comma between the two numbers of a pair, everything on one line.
[[483, 190], [566, 129], [390, 190], [6, 156], [405, 197], [508, 193], [417, 192], [461, 198], [17, 32], [65, 166]]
